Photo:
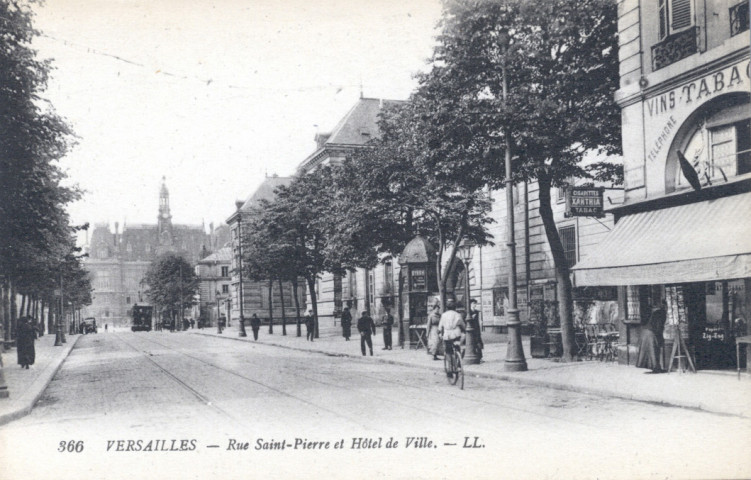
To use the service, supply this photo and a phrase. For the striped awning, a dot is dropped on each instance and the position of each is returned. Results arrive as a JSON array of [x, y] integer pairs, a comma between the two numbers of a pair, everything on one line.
[[699, 242]]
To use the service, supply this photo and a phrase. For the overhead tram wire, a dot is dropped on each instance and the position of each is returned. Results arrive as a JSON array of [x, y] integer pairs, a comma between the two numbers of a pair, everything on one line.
[[206, 81]]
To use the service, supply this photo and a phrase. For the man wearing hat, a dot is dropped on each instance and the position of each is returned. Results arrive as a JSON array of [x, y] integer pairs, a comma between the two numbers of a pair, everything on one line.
[[366, 327]]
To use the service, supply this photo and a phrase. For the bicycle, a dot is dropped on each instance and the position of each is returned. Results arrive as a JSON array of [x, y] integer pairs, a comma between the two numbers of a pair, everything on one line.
[[452, 363]]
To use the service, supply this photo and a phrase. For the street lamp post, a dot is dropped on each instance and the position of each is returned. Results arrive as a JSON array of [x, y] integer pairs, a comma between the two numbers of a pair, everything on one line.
[[465, 254], [239, 205], [515, 361]]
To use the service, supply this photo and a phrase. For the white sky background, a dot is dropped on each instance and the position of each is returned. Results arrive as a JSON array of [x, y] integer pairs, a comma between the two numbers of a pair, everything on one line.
[[276, 69]]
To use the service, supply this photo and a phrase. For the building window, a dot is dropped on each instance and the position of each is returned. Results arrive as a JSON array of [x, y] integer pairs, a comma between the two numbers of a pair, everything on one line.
[[148, 248], [225, 271], [225, 288], [677, 33], [675, 15], [388, 275], [127, 300], [739, 18], [570, 181], [371, 287], [352, 284], [568, 239], [718, 152]]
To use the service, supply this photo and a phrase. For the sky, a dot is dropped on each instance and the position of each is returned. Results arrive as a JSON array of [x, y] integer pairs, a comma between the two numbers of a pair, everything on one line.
[[214, 94]]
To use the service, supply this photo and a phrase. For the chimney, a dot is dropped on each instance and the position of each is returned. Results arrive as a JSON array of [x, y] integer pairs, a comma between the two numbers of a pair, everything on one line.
[[117, 232]]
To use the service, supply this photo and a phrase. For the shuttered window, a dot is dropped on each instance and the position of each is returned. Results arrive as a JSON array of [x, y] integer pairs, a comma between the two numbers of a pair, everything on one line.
[[674, 15], [681, 14]]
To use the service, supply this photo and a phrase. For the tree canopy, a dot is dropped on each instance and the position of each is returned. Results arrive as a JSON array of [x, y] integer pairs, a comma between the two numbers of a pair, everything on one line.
[[36, 236], [171, 283], [538, 78]]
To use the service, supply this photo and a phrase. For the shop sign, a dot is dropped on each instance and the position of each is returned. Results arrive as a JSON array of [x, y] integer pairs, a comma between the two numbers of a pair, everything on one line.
[[584, 202], [713, 333], [418, 279]]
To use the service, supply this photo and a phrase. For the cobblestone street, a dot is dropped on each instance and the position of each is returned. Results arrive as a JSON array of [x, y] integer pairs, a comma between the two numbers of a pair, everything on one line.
[[159, 387]]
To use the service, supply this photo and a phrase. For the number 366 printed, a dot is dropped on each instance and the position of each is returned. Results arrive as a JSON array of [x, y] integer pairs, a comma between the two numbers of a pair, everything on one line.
[[70, 446]]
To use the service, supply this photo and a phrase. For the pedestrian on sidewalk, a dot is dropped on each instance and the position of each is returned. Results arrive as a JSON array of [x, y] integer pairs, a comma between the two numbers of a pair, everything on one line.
[[651, 340], [346, 324], [27, 333], [310, 325], [387, 322], [255, 324], [434, 341], [474, 322], [366, 327]]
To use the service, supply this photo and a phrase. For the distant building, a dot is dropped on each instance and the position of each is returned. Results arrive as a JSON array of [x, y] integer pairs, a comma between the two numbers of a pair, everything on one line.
[[118, 261], [214, 281]]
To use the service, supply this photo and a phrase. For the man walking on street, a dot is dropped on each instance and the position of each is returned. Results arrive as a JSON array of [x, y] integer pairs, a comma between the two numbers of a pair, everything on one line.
[[255, 324], [387, 322], [366, 327], [310, 325]]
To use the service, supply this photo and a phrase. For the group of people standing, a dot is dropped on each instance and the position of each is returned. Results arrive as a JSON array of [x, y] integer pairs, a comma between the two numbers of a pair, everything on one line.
[[367, 328]]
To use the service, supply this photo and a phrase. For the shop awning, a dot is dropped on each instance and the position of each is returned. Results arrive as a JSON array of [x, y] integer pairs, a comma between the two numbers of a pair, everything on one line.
[[700, 242]]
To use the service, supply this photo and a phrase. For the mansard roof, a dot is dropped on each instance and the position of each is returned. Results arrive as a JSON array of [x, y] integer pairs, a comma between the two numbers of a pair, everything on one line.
[[265, 191], [355, 129]]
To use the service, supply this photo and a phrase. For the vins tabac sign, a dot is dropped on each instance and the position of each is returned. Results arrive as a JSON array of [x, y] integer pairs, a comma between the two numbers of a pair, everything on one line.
[[584, 202]]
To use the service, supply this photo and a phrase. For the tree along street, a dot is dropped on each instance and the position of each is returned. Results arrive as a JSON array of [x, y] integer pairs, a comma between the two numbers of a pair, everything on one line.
[[163, 405]]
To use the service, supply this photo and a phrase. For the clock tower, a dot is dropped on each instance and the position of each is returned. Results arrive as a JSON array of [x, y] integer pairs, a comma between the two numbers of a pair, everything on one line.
[[164, 221]]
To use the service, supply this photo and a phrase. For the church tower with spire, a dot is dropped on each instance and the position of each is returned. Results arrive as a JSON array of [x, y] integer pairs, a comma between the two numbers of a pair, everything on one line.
[[164, 221]]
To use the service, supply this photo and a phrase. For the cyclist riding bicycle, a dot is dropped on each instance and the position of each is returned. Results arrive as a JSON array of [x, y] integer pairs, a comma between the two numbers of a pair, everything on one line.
[[451, 327]]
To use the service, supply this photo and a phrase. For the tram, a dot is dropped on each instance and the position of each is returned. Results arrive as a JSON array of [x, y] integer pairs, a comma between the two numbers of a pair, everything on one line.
[[142, 315]]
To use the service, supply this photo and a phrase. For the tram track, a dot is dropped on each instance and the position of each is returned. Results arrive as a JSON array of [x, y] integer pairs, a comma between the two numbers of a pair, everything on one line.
[[444, 414], [202, 397]]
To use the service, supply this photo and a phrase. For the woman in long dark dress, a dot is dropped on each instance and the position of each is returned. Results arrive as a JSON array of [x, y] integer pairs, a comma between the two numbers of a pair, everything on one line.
[[651, 341], [346, 324], [25, 342]]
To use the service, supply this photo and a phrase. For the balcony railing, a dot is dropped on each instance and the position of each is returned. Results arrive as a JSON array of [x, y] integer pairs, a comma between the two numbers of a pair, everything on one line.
[[739, 18], [675, 47]]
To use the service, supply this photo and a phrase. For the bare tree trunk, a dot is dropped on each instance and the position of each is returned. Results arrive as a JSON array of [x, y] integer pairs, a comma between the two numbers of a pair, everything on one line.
[[23, 306], [39, 315], [563, 281], [13, 310], [271, 305], [297, 305], [284, 316], [50, 319], [5, 307], [314, 304]]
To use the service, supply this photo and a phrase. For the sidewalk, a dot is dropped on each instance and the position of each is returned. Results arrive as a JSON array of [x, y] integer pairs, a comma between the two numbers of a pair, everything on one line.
[[26, 386], [711, 391]]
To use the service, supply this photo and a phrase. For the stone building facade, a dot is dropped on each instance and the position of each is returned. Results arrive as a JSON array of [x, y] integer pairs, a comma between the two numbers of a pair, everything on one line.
[[262, 298], [682, 235], [118, 260]]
